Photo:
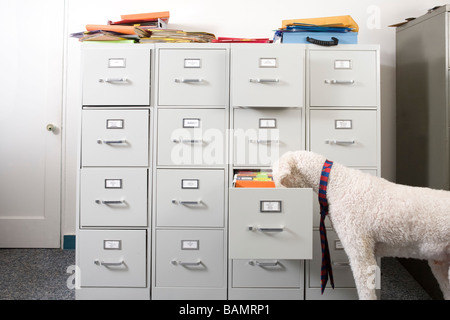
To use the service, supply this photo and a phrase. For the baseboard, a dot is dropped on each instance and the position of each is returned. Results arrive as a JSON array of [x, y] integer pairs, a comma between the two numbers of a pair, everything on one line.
[[69, 242]]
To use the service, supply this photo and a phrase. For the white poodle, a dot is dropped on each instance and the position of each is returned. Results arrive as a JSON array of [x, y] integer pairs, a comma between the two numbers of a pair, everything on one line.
[[374, 217]]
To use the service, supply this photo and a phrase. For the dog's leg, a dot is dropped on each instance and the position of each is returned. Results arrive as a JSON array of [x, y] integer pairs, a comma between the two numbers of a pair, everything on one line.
[[364, 265], [441, 271]]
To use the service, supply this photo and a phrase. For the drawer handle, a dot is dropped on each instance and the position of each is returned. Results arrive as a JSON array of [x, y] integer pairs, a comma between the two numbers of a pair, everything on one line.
[[121, 141], [263, 264], [331, 141], [107, 202], [186, 264], [190, 141], [257, 80], [187, 202], [264, 141], [340, 81], [264, 229], [340, 264], [108, 264], [113, 80], [178, 80]]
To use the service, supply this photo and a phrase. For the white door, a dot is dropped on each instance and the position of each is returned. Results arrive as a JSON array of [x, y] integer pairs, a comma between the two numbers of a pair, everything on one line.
[[31, 61]]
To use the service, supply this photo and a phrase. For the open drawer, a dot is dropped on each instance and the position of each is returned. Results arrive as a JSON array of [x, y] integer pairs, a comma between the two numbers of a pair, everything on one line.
[[270, 223]]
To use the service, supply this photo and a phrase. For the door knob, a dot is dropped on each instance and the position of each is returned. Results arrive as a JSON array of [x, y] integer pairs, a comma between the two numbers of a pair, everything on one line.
[[51, 127]]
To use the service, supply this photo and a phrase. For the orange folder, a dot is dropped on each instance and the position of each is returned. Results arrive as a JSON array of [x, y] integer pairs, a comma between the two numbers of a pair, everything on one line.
[[254, 184], [121, 29], [146, 16]]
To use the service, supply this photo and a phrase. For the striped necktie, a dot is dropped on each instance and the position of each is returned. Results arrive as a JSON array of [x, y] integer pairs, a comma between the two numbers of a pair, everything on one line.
[[326, 270]]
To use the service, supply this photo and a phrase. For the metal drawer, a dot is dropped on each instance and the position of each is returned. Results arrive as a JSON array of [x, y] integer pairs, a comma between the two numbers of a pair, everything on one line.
[[345, 136], [113, 197], [114, 138], [112, 258], [267, 273], [116, 76], [190, 198], [193, 77], [343, 78], [189, 258], [269, 223], [342, 272], [262, 135], [192, 137], [267, 75]]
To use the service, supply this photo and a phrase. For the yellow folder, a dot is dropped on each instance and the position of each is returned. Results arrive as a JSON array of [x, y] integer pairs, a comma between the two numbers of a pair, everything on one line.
[[336, 21]]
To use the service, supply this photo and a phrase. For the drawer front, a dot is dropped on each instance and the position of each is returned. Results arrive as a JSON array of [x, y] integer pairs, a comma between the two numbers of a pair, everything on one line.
[[343, 78], [262, 135], [342, 272], [267, 75], [113, 197], [190, 258], [345, 136], [191, 137], [115, 138], [270, 223], [115, 76], [267, 273], [195, 77], [112, 258], [190, 198]]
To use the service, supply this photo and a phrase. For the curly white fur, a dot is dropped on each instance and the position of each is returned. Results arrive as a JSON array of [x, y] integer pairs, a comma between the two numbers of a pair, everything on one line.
[[374, 217]]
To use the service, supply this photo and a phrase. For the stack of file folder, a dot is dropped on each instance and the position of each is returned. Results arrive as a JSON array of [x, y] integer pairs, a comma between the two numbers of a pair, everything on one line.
[[326, 31], [140, 27], [253, 179], [131, 28]]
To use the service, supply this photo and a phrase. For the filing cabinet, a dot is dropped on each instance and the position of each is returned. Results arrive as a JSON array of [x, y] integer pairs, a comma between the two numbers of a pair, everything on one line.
[[344, 125], [164, 129], [270, 229], [114, 196], [189, 246]]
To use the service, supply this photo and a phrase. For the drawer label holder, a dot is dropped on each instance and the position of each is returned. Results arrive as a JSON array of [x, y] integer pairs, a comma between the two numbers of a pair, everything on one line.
[[113, 183], [343, 124], [270, 206], [114, 124], [190, 244], [112, 244], [192, 63], [189, 183]]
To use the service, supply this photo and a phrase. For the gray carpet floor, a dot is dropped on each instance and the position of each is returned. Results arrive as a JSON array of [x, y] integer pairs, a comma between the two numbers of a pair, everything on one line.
[[42, 274]]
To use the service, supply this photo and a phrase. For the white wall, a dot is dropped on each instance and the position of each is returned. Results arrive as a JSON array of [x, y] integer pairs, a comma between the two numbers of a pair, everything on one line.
[[238, 18]]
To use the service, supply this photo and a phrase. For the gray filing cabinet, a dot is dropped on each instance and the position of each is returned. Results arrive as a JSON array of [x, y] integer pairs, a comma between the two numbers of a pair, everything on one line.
[[423, 117], [114, 196], [343, 119], [164, 129], [190, 222]]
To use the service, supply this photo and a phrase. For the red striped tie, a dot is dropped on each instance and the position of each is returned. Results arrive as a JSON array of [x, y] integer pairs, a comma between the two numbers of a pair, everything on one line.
[[326, 270]]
